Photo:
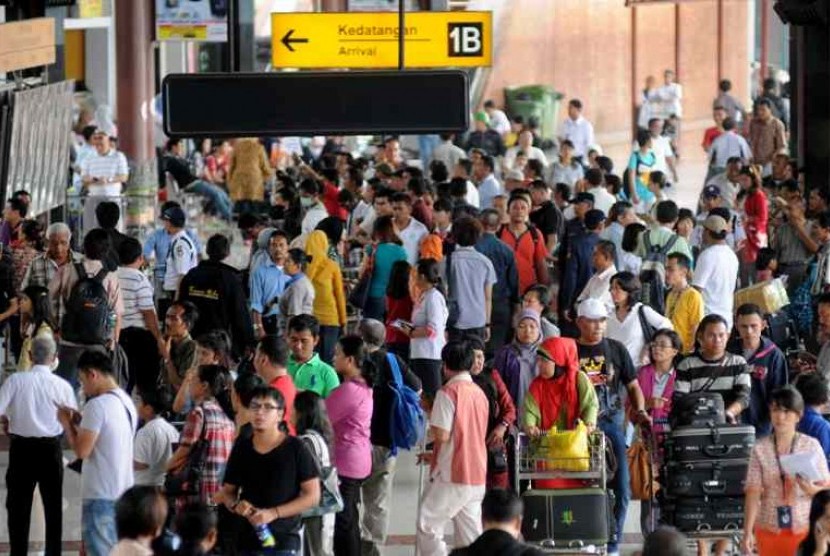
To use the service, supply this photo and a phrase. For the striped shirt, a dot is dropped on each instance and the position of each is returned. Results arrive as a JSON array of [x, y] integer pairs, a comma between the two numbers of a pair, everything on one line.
[[789, 247], [109, 165], [137, 293], [729, 377]]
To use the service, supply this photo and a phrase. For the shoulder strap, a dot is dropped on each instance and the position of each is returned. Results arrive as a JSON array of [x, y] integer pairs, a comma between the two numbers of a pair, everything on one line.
[[669, 244], [81, 270], [396, 369], [647, 241], [126, 410], [101, 275], [644, 324]]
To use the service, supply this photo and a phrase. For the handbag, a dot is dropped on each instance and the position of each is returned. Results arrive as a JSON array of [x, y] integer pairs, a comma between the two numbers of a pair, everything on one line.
[[643, 483], [186, 481], [566, 450], [360, 292], [331, 501]]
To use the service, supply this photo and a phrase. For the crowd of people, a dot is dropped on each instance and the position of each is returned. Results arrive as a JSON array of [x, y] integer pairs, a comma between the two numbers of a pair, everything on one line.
[[508, 291]]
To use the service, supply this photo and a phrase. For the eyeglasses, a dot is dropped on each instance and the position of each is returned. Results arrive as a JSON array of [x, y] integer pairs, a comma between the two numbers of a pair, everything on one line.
[[263, 407], [658, 345]]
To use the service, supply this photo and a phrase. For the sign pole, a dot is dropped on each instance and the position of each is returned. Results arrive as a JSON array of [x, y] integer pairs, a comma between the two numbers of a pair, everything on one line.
[[401, 30]]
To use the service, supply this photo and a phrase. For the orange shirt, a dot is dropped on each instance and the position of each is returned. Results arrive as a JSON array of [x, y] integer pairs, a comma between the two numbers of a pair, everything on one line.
[[286, 387], [528, 252]]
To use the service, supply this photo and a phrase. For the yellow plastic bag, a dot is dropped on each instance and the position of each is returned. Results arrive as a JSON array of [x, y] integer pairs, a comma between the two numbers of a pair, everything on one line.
[[566, 450]]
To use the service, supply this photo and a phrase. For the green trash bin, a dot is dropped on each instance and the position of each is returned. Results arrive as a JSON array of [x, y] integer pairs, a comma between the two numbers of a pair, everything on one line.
[[540, 102]]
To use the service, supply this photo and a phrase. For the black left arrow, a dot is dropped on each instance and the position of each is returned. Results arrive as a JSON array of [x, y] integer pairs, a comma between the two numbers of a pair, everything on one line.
[[287, 40]]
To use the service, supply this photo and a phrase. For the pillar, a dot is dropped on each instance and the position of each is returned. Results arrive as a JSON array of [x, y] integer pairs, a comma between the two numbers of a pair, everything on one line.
[[135, 70]]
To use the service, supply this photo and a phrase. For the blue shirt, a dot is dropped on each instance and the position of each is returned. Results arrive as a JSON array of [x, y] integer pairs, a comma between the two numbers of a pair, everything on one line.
[[768, 371], [267, 284], [158, 244], [471, 273], [387, 254], [814, 424], [504, 263]]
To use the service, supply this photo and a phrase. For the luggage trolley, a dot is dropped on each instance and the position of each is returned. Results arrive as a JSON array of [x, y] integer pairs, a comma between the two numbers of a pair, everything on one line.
[[564, 519]]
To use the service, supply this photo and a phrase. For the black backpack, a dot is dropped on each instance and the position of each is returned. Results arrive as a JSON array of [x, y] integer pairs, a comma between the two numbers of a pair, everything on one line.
[[86, 317], [653, 273]]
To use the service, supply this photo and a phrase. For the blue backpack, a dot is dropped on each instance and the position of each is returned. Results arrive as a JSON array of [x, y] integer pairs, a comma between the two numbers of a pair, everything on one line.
[[408, 419]]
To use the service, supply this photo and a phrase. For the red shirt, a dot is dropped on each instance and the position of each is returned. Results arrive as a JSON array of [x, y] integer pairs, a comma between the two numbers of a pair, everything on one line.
[[285, 384], [397, 309], [710, 135], [330, 192], [528, 252]]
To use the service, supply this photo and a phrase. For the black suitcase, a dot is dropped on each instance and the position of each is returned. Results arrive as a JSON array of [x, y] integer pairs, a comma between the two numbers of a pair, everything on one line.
[[567, 518], [696, 514], [710, 442], [705, 478], [782, 330], [697, 409]]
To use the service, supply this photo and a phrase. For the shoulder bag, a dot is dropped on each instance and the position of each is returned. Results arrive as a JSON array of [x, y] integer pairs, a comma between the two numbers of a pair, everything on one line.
[[331, 501], [186, 481]]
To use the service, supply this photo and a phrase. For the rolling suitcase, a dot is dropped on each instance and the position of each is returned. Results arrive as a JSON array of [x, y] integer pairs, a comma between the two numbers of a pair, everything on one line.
[[567, 518], [705, 478], [697, 409], [710, 442], [698, 514]]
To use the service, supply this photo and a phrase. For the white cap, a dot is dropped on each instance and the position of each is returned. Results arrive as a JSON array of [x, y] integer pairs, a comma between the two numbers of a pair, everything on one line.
[[593, 309]]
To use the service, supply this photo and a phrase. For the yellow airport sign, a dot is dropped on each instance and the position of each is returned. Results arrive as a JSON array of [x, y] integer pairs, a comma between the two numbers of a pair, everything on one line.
[[370, 39]]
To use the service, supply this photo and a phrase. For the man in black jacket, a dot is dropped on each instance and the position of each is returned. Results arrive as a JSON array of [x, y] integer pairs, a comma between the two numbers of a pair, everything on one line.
[[501, 514], [376, 491], [216, 290]]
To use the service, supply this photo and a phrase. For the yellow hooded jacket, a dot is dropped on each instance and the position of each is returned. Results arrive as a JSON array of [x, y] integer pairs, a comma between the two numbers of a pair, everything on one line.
[[325, 276]]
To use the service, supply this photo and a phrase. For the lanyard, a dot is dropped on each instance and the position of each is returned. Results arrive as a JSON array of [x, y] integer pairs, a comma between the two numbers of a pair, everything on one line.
[[784, 488]]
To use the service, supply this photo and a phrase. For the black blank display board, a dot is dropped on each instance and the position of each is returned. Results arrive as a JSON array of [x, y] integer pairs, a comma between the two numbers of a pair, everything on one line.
[[305, 103]]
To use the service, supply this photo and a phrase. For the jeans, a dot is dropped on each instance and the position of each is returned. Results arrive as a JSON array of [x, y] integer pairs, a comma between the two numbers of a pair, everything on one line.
[[328, 339], [621, 486], [215, 195], [347, 521], [98, 526]]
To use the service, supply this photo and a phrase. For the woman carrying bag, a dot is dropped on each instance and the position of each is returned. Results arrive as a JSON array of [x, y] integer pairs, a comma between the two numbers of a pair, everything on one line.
[[657, 383]]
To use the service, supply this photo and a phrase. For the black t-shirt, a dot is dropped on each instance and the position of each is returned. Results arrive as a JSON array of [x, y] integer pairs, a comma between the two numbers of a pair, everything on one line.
[[593, 361], [180, 170], [268, 480], [548, 219]]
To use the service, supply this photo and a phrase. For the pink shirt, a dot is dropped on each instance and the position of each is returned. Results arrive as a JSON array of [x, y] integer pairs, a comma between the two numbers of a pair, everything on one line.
[[350, 411]]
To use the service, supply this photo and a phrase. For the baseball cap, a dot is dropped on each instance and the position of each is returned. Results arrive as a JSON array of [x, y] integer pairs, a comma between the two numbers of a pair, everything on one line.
[[174, 215], [716, 224], [593, 218], [514, 175], [711, 191], [593, 309], [584, 197]]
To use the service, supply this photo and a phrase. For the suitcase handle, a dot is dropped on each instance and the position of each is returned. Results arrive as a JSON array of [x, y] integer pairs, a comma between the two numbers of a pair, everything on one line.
[[547, 543], [715, 451], [713, 487]]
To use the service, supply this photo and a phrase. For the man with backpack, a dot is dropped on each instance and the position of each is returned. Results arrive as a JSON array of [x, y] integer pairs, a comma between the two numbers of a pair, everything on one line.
[[526, 241], [656, 244], [376, 490], [88, 305]]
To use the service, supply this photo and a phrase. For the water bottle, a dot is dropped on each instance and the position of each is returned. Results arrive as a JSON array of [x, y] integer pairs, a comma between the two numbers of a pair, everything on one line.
[[263, 533], [112, 318]]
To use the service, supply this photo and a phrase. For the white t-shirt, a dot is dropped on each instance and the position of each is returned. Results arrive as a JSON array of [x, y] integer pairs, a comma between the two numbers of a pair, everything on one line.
[[154, 447], [411, 237], [716, 273], [313, 216], [108, 471], [629, 332], [472, 197], [431, 312], [499, 121], [602, 199], [112, 164]]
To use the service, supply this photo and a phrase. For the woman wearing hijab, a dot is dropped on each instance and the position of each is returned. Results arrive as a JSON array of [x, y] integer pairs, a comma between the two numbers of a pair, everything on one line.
[[561, 394], [559, 397], [516, 362], [333, 228], [329, 299]]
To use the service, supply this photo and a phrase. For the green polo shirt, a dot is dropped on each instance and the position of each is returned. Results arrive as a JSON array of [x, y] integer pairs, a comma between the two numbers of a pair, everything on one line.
[[315, 375]]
